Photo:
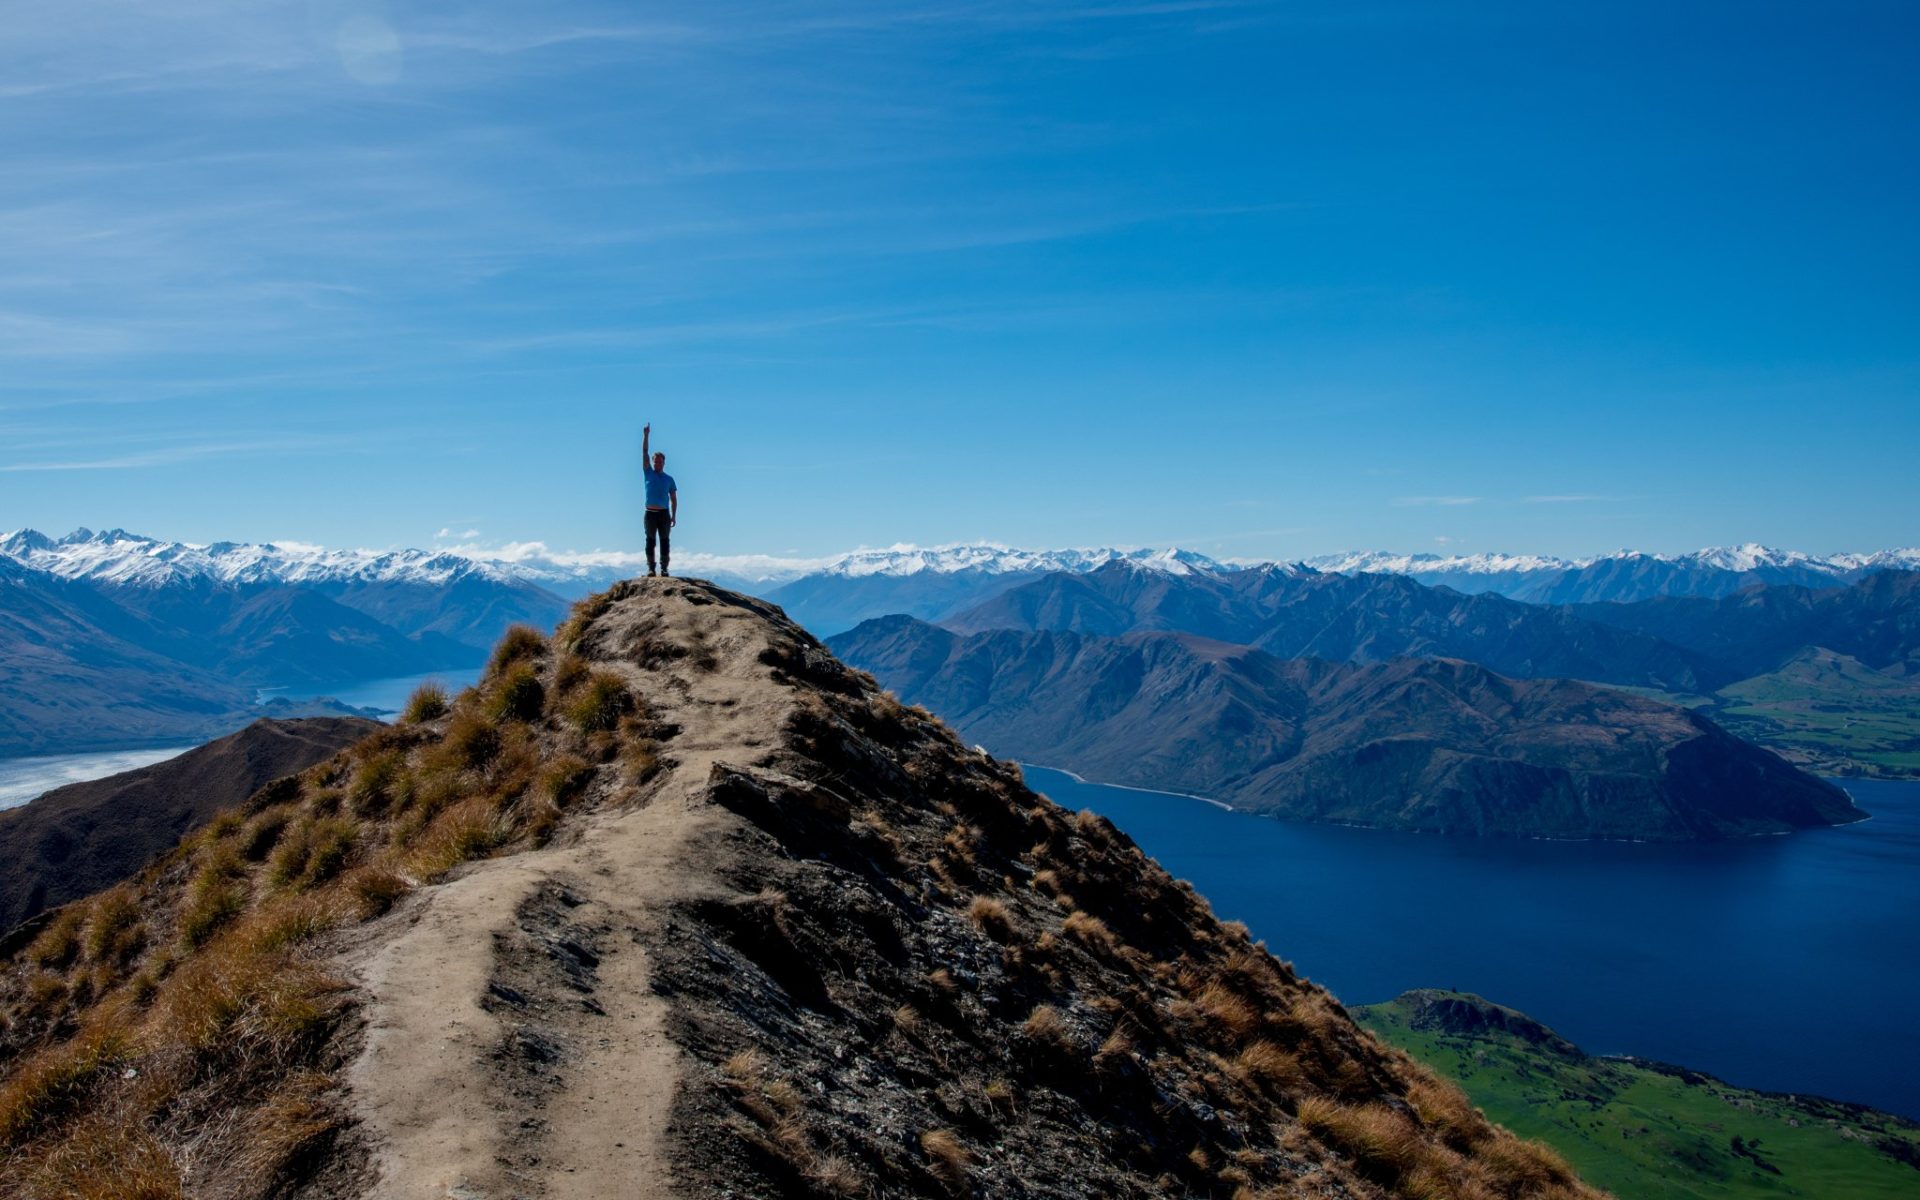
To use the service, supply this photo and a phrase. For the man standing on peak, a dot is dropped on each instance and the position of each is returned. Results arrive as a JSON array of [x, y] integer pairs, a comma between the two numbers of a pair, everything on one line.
[[663, 499]]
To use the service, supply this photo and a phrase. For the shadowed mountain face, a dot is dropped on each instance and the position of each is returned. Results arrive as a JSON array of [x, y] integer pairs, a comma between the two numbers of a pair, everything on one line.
[[1299, 613], [73, 674], [675, 905], [1876, 621], [1432, 745], [80, 838], [832, 603]]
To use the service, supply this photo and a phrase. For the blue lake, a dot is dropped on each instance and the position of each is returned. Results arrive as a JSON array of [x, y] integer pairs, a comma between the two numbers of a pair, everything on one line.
[[1785, 963], [384, 696]]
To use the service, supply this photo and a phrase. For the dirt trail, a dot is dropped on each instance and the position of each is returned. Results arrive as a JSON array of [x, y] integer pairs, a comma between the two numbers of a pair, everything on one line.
[[513, 1045]]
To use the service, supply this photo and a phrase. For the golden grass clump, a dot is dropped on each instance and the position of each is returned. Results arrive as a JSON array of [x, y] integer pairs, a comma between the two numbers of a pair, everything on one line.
[[518, 695], [1270, 1068], [573, 630], [1090, 931], [1093, 827], [602, 700], [429, 702], [289, 924], [297, 1116], [517, 645], [569, 673], [564, 779], [1522, 1167], [100, 1159], [1047, 1029], [907, 1020], [471, 741], [376, 890], [1446, 1110], [1001, 1096], [641, 754], [115, 932], [260, 835], [837, 1177], [59, 943], [1116, 1047], [990, 916], [947, 1158], [314, 852], [468, 830], [241, 1008], [1227, 1011], [56, 1080], [213, 899], [376, 782], [1380, 1141]]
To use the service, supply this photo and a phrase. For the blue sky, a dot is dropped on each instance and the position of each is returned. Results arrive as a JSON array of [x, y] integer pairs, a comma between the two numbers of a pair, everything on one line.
[[1265, 279]]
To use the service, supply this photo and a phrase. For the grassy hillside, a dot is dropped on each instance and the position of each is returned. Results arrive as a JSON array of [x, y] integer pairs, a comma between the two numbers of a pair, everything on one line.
[[1649, 1132], [1824, 711], [1830, 712]]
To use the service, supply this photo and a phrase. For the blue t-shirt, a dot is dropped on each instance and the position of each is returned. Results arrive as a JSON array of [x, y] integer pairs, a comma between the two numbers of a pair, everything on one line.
[[659, 487]]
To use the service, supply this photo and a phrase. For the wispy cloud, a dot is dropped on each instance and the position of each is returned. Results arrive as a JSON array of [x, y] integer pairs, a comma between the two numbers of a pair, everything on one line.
[[173, 455], [1435, 501]]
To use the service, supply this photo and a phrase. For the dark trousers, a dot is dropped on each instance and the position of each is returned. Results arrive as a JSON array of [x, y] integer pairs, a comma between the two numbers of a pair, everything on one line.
[[659, 522]]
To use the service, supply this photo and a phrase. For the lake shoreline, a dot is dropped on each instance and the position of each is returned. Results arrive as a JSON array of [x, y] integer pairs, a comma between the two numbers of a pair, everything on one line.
[[1653, 950]]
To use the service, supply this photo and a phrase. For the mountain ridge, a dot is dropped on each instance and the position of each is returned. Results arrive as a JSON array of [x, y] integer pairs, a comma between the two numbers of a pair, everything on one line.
[[675, 904], [1293, 613], [1430, 745]]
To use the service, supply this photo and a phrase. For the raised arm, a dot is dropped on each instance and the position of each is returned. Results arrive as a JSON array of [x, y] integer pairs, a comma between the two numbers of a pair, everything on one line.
[[646, 446]]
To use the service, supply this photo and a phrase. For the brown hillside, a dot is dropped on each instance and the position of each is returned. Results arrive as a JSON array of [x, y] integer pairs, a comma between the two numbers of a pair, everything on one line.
[[677, 905], [80, 838]]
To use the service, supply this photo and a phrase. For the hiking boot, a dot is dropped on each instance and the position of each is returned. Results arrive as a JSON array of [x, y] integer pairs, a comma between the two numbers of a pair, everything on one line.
[[650, 572]]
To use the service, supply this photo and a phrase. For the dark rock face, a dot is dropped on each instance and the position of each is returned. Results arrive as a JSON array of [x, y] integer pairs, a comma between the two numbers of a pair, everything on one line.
[[922, 979], [78, 839], [1433, 745], [1300, 613]]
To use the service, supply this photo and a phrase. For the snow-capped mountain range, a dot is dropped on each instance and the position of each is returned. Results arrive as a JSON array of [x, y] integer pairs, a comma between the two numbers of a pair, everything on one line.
[[1749, 557], [114, 556], [119, 558]]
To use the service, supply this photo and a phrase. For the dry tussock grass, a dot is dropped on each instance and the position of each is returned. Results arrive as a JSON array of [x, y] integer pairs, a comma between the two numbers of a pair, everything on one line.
[[429, 702], [185, 1008], [519, 643], [1090, 931], [1046, 1029], [947, 1157], [991, 917]]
